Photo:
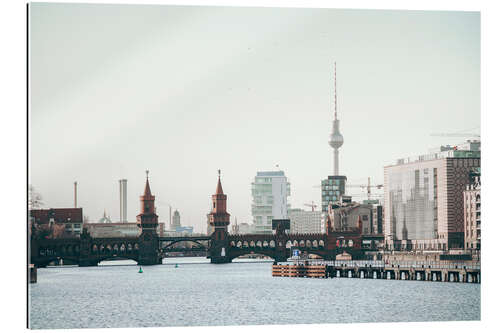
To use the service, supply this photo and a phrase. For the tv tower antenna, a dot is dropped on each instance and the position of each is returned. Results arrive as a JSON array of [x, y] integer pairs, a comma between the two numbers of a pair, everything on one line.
[[336, 139]]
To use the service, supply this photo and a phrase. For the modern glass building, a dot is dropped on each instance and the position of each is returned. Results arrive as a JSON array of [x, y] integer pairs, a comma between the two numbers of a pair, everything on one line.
[[332, 189], [424, 199], [270, 190]]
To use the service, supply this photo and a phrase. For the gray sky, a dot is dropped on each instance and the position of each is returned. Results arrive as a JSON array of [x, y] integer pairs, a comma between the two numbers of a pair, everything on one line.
[[184, 91]]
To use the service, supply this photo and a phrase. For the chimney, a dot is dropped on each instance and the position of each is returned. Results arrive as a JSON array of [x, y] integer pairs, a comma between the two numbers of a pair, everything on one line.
[[75, 183], [123, 200]]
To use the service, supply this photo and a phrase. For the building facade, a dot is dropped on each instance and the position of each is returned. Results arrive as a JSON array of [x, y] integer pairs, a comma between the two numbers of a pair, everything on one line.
[[210, 228], [71, 218], [332, 189], [377, 215], [349, 217], [305, 222], [103, 230], [244, 228], [270, 190], [472, 216], [424, 204]]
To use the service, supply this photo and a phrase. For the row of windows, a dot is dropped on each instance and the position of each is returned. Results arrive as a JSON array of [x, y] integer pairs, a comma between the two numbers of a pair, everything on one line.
[[328, 187], [337, 193], [330, 182], [259, 199]]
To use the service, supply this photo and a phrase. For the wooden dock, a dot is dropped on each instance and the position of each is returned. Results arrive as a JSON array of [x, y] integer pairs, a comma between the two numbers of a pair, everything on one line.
[[444, 271], [300, 270]]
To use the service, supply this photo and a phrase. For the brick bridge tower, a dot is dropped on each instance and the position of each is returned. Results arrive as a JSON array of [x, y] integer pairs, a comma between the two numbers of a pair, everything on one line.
[[219, 220], [147, 220], [330, 245]]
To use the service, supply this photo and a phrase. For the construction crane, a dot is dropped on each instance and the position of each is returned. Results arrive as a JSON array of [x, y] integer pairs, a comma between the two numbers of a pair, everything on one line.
[[457, 135], [368, 187], [462, 133], [312, 205], [373, 195]]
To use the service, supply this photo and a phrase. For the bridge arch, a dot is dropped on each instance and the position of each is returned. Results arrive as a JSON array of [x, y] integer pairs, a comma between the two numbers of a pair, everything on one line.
[[169, 245], [44, 261], [236, 253], [317, 253], [116, 257]]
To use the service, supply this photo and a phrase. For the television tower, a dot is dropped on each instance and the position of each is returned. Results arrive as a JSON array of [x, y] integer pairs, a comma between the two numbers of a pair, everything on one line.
[[336, 139]]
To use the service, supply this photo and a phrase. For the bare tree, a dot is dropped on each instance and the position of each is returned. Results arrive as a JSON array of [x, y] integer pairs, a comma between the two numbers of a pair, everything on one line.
[[34, 198]]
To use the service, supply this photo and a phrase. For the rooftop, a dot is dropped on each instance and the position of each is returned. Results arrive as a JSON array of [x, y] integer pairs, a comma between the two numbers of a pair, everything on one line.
[[270, 173], [469, 149]]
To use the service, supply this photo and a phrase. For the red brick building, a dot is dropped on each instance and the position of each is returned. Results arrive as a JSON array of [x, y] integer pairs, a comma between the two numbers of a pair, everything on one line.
[[71, 218]]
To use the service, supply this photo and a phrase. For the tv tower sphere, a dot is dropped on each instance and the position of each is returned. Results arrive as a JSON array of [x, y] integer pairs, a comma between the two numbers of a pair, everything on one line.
[[336, 139]]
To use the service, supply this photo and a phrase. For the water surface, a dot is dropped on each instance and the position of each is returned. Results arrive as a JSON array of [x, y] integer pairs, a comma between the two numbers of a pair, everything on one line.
[[241, 293]]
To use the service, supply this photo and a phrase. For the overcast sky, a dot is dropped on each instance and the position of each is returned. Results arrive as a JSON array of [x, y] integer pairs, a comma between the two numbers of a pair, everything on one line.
[[184, 91]]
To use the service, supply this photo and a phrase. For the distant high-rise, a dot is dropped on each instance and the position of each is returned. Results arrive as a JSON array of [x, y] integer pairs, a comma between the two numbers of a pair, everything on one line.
[[176, 220], [123, 200], [336, 139], [270, 190]]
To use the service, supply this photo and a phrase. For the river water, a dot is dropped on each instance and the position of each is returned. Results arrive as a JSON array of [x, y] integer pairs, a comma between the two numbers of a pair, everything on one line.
[[241, 293]]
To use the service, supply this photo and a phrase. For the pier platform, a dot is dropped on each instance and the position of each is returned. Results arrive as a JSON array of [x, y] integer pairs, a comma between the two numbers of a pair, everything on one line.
[[444, 271]]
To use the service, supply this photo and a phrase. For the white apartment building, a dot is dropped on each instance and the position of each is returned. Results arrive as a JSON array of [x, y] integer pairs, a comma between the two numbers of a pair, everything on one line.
[[270, 190]]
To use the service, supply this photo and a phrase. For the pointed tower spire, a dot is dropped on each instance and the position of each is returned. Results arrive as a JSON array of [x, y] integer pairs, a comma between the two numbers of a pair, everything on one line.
[[147, 200], [219, 186], [147, 189], [147, 221]]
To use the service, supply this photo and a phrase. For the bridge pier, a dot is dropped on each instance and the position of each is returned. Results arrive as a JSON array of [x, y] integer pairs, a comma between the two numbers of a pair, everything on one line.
[[87, 262]]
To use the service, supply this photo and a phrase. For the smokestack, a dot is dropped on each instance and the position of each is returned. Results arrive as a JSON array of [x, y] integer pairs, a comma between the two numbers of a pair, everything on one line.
[[170, 217], [123, 200], [75, 183]]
